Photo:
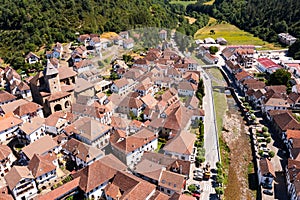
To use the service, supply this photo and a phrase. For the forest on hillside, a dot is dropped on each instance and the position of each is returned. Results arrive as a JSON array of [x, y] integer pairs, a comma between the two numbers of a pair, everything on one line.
[[264, 19]]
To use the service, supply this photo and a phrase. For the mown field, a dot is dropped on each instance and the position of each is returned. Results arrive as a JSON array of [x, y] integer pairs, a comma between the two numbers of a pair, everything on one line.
[[232, 34]]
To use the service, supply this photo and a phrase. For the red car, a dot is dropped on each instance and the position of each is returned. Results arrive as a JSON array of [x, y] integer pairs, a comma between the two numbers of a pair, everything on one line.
[[196, 195]]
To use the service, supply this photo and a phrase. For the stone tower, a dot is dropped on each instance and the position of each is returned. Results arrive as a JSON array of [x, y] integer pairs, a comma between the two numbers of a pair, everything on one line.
[[52, 78]]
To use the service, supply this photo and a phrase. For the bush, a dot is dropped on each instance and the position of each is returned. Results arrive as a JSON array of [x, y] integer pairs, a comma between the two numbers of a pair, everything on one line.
[[265, 129], [266, 134], [219, 178], [192, 188], [268, 140], [261, 152], [200, 159], [271, 154], [219, 190], [219, 165]]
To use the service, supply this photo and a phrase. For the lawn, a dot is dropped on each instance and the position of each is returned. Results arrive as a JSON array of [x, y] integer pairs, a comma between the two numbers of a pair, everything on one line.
[[184, 3], [232, 34]]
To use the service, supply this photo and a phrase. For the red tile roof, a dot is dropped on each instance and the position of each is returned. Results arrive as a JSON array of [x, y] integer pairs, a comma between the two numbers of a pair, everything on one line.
[[267, 63]]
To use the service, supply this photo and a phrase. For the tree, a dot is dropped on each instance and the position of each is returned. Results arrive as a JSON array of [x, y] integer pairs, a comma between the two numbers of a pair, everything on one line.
[[213, 49], [271, 154], [280, 77], [192, 188], [212, 32]]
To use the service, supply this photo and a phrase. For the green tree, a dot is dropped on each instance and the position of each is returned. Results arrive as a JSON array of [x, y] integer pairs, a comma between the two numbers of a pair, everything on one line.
[[271, 154], [192, 188], [280, 77], [219, 190], [213, 49]]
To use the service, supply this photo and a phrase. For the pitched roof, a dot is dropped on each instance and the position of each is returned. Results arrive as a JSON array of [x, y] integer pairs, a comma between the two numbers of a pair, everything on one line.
[[33, 125], [183, 143], [82, 85], [60, 191], [267, 63], [266, 167], [121, 82], [241, 75], [27, 108], [66, 72], [131, 102], [131, 187], [98, 172], [5, 151], [7, 122], [292, 133], [149, 100], [193, 101], [178, 118], [90, 128], [41, 146], [159, 196], [22, 86], [16, 174], [39, 165], [59, 117], [6, 96], [83, 151], [286, 121], [132, 142], [185, 85], [11, 106], [172, 180]]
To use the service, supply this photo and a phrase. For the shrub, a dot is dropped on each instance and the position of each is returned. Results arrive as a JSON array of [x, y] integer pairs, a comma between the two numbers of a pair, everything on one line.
[[261, 152], [266, 134], [265, 129], [268, 140], [219, 190], [200, 159], [219, 165], [271, 154], [219, 178], [192, 188]]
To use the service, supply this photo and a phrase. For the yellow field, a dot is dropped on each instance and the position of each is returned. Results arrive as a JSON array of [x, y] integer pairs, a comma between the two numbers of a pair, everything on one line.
[[232, 34], [209, 2]]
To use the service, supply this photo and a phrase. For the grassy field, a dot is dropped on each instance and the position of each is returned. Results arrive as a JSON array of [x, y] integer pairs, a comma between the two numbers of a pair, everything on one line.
[[232, 34], [184, 3]]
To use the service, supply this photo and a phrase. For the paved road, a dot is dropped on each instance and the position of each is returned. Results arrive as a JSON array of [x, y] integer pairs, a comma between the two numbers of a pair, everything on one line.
[[211, 136]]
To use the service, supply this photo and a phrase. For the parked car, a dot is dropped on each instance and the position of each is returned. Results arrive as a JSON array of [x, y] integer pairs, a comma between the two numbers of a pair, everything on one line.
[[197, 186], [268, 192], [198, 177], [267, 186]]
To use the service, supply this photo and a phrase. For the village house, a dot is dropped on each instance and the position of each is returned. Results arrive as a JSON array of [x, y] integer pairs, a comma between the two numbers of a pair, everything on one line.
[[32, 130], [95, 177], [28, 111], [122, 86], [44, 145], [81, 153], [181, 146], [265, 65], [135, 188], [42, 169], [171, 182], [82, 66], [286, 38], [32, 58], [55, 122], [232, 67], [292, 178], [130, 149], [266, 173], [186, 88], [21, 183], [9, 127], [130, 106], [91, 132], [66, 190], [163, 34], [128, 43], [83, 87], [6, 159], [152, 164], [6, 97]]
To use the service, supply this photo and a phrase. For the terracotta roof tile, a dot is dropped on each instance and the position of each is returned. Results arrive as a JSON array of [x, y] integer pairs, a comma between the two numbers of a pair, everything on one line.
[[39, 166], [16, 174], [6, 96], [266, 167]]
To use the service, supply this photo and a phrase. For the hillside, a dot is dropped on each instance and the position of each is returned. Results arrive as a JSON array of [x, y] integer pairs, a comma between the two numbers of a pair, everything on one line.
[[27, 25]]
